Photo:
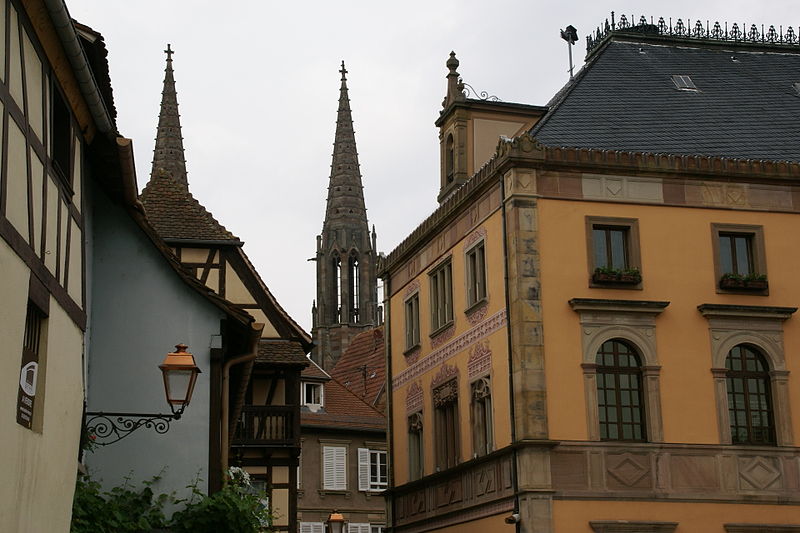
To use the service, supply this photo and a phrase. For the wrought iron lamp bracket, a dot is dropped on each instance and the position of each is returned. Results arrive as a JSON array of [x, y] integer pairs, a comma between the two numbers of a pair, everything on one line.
[[108, 428]]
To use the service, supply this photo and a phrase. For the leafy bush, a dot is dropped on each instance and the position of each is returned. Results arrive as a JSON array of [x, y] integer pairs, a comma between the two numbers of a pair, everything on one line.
[[120, 510], [237, 508]]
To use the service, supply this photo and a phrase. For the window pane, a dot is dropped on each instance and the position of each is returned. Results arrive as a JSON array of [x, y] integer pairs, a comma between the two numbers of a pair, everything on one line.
[[618, 259], [600, 250], [725, 254], [742, 255]]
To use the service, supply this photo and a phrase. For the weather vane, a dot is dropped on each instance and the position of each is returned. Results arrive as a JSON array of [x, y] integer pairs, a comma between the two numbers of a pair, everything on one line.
[[571, 36]]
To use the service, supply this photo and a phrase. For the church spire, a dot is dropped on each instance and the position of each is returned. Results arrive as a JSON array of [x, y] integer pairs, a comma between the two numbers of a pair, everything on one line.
[[168, 156], [347, 294], [345, 193]]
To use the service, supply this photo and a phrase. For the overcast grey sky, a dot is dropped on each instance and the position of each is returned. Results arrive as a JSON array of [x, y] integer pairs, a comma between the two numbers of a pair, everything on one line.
[[258, 89]]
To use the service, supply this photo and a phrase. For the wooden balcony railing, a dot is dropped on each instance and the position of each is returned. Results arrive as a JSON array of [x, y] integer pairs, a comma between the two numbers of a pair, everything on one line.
[[272, 425]]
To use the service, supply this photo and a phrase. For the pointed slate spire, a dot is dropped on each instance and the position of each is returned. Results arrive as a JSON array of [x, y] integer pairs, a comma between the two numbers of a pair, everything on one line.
[[347, 293], [345, 193], [168, 156]]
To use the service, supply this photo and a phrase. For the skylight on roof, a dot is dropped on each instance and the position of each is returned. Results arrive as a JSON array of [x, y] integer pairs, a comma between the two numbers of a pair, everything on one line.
[[683, 83], [796, 86]]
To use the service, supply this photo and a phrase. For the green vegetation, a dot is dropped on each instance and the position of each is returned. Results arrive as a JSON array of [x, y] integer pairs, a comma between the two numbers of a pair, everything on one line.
[[236, 508]]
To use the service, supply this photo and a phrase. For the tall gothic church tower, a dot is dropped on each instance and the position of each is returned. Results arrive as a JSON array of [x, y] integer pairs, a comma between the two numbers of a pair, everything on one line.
[[346, 258]]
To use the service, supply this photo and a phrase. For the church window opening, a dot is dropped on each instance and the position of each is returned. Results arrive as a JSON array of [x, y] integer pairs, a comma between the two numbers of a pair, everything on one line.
[[337, 288], [355, 287]]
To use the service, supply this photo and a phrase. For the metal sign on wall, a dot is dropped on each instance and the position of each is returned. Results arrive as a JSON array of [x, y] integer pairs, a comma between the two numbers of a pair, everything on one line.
[[29, 369]]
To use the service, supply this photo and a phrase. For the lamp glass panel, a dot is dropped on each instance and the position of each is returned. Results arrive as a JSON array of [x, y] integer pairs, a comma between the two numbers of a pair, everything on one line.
[[178, 382]]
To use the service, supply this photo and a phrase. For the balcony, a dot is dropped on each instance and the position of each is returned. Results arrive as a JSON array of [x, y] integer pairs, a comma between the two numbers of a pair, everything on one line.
[[267, 426]]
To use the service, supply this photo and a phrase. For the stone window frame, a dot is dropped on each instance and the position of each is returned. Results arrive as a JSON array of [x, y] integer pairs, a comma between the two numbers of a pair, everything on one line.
[[761, 327], [632, 526], [443, 273], [758, 250], [479, 299], [410, 299], [633, 321], [416, 424], [632, 242], [482, 428], [446, 418]]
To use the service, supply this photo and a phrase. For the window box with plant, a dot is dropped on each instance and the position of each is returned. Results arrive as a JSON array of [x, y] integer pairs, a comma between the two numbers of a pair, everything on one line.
[[616, 276], [749, 282]]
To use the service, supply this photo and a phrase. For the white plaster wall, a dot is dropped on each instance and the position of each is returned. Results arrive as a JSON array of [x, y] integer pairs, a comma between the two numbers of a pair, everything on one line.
[[140, 309], [38, 468]]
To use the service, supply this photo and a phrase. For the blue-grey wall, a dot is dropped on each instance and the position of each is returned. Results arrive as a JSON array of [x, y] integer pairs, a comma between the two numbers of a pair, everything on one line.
[[139, 310]]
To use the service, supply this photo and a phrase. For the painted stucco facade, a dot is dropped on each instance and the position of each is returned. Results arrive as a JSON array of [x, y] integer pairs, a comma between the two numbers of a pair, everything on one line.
[[141, 310]]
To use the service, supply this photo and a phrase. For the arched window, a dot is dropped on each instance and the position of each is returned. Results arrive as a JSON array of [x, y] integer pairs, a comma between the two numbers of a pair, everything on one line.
[[355, 287], [620, 401], [749, 401], [337, 288], [449, 158]]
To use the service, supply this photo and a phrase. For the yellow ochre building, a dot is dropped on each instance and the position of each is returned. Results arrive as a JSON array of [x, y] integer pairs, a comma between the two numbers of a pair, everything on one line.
[[595, 331]]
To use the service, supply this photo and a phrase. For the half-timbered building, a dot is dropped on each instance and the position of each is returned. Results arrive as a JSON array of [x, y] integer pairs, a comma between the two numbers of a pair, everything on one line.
[[56, 116], [265, 437]]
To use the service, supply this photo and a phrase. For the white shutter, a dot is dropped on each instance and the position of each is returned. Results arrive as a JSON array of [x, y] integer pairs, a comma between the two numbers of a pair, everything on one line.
[[328, 467], [363, 469], [334, 467], [341, 468], [358, 528], [312, 527]]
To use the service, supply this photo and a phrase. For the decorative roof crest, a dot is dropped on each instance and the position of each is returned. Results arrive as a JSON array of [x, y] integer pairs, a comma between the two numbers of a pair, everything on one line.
[[694, 31]]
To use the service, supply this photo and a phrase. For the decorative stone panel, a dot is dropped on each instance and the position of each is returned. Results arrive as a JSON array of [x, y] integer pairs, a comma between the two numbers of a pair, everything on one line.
[[469, 491], [414, 398], [480, 360], [676, 472]]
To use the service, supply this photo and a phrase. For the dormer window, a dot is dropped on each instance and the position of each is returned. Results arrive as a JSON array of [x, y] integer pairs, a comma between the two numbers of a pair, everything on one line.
[[312, 395], [683, 83]]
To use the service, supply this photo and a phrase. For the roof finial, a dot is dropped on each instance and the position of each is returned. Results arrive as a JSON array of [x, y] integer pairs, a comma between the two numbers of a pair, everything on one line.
[[169, 51], [454, 88], [344, 72]]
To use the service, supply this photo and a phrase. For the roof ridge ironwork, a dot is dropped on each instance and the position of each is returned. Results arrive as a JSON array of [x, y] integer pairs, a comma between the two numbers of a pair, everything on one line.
[[696, 31]]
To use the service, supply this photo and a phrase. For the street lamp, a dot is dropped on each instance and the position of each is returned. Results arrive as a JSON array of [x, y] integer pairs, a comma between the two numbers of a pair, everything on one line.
[[180, 375], [336, 522]]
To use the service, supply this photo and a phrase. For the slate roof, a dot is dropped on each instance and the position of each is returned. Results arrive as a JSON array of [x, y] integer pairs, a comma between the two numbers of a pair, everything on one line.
[[365, 350], [176, 214], [624, 99], [281, 352], [343, 410]]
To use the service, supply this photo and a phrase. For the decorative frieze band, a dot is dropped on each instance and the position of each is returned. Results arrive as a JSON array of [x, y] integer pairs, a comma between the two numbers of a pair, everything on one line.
[[459, 344]]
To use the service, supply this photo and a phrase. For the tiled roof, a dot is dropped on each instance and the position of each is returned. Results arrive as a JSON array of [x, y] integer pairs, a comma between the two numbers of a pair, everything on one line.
[[313, 371], [343, 410], [176, 214], [624, 98], [281, 352], [362, 368]]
